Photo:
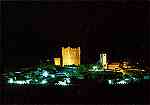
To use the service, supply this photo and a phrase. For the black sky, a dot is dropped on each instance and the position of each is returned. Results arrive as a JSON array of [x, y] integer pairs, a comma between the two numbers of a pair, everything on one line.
[[33, 29]]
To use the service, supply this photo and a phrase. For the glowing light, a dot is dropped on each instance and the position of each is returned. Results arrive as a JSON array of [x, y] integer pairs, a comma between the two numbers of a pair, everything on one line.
[[122, 82], [62, 83], [67, 80], [109, 81], [53, 76], [10, 80], [143, 70], [126, 79], [94, 67], [44, 82], [17, 72], [20, 82], [45, 73]]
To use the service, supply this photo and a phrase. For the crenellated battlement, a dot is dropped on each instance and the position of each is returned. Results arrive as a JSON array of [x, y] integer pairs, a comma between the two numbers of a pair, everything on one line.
[[71, 51], [69, 48]]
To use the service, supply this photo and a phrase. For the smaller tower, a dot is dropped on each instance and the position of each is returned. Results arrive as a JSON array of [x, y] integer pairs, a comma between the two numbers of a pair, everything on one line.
[[103, 60], [57, 61]]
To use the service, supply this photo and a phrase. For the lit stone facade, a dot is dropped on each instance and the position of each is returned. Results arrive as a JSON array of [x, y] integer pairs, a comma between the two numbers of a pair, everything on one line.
[[57, 61], [70, 56], [113, 66], [103, 60]]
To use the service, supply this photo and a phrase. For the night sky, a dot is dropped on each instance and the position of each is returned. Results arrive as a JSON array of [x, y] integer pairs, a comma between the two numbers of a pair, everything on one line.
[[33, 29]]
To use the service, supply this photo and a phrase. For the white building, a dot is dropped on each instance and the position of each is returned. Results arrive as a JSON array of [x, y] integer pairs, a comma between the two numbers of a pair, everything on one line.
[[103, 60]]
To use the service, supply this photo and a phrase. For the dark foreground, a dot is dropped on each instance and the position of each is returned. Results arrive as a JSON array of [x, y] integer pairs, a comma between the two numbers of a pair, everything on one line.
[[80, 94]]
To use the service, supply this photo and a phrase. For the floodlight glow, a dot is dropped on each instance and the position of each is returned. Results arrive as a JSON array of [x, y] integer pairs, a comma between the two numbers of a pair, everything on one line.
[[122, 82], [126, 79], [109, 81], [45, 73], [53, 76], [44, 81], [143, 70], [20, 82], [10, 80], [94, 67], [67, 80], [17, 72], [98, 70], [62, 83], [133, 78]]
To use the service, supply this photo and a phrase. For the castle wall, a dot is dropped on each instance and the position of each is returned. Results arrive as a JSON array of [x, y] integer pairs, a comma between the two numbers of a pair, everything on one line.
[[70, 56]]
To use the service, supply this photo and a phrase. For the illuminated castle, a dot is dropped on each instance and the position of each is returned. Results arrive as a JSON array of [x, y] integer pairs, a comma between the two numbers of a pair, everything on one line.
[[70, 56]]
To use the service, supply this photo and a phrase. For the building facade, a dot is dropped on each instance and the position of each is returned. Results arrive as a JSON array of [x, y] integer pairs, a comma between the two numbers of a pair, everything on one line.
[[103, 60], [113, 66], [70, 56], [57, 61]]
